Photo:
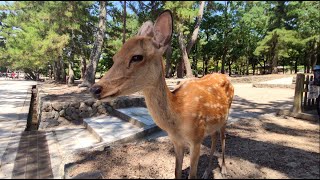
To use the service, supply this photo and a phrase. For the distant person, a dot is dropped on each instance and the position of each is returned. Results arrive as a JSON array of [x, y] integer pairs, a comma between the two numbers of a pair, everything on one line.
[[13, 75]]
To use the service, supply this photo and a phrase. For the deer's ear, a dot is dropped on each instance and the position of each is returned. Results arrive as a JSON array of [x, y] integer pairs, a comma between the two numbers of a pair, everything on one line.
[[162, 30], [146, 29]]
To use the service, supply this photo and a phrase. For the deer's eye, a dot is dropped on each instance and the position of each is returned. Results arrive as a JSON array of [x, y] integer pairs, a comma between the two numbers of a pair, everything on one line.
[[136, 58]]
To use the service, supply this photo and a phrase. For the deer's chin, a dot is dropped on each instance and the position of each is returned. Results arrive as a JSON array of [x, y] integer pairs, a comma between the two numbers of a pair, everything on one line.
[[108, 98]]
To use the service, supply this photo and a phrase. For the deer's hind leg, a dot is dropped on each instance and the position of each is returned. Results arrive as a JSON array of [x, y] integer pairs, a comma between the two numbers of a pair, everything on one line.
[[213, 149], [223, 145]]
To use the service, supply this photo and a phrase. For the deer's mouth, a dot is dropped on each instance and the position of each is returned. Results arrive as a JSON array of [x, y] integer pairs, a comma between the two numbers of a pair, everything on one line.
[[109, 96]]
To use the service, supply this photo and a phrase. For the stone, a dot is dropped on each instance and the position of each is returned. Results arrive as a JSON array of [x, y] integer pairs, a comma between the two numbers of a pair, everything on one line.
[[83, 107], [102, 109], [76, 104], [75, 116], [55, 115], [94, 110], [47, 115], [62, 113], [65, 105], [292, 164], [69, 111], [68, 118], [77, 111], [84, 114], [97, 103], [57, 106], [46, 107], [109, 109], [47, 123], [63, 121], [89, 102], [89, 110], [89, 175]]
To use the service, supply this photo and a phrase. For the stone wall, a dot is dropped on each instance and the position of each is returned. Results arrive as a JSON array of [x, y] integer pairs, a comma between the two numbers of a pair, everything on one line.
[[56, 113]]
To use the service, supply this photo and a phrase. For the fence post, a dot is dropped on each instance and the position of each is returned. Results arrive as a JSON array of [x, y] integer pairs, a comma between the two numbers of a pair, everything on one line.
[[298, 93]]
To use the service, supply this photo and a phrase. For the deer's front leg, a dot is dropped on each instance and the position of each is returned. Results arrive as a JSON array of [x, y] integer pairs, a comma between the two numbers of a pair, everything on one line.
[[194, 153], [178, 148]]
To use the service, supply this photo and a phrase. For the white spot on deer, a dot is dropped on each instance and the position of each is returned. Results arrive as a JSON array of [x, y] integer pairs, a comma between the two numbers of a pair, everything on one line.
[[218, 97], [197, 99], [206, 104], [217, 105], [209, 118], [210, 89]]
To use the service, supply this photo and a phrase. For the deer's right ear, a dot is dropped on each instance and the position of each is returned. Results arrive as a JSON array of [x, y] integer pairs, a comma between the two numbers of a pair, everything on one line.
[[162, 29]]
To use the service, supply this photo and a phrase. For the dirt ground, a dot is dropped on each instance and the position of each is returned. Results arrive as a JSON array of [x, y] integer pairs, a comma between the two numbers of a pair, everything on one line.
[[269, 147], [259, 145]]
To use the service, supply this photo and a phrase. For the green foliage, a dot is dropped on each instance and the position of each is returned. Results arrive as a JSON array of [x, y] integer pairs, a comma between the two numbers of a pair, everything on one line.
[[37, 33], [34, 34]]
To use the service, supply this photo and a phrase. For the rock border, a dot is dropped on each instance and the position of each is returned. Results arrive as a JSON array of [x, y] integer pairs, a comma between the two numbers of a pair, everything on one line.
[[54, 114]]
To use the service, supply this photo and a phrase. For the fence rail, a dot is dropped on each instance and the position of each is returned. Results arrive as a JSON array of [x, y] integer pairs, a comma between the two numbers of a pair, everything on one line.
[[305, 97]]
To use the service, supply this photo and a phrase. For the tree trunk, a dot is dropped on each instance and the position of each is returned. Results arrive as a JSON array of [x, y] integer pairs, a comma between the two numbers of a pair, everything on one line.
[[124, 22], [307, 59], [89, 78], [185, 56], [71, 74], [180, 69], [275, 56], [206, 65], [63, 71], [83, 66], [168, 62], [247, 66], [217, 66], [196, 28], [253, 69], [275, 64], [194, 64], [224, 55], [57, 70], [50, 71], [264, 67], [229, 64], [195, 61]]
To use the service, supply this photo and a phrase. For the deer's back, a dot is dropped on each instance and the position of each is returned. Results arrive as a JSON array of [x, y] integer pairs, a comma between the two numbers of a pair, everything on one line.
[[203, 104]]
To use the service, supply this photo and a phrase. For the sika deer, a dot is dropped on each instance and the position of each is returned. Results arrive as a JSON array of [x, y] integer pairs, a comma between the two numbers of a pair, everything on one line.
[[194, 110]]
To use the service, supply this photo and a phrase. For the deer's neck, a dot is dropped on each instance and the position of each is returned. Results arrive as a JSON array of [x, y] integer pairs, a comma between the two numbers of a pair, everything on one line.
[[159, 103]]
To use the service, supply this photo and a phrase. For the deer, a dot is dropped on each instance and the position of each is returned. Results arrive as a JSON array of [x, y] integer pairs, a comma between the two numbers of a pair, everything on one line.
[[197, 108]]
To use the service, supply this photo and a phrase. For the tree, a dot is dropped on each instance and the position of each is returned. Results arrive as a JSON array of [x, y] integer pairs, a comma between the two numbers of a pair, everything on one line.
[[96, 50], [124, 22], [184, 13]]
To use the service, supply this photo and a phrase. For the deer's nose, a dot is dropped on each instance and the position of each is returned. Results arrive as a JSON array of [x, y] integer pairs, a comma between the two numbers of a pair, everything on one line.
[[96, 90]]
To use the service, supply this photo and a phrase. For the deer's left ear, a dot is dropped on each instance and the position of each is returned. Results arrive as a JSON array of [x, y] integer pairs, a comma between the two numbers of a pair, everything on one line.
[[146, 29], [162, 30]]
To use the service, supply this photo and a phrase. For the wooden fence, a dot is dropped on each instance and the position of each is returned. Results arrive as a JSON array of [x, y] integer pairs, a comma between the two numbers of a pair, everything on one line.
[[303, 99]]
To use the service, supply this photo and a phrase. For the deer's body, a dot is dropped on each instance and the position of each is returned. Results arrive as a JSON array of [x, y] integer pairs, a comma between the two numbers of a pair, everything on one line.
[[196, 109]]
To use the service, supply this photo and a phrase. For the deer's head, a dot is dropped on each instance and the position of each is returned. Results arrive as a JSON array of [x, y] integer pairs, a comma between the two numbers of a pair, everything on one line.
[[137, 65]]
